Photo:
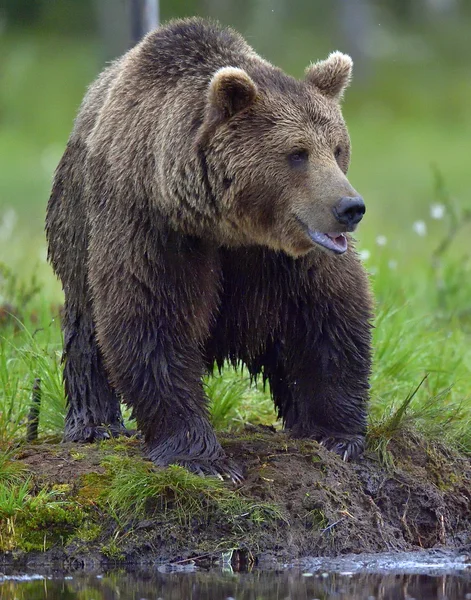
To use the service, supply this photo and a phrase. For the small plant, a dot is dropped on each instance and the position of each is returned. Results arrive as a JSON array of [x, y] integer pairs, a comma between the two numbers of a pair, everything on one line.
[[88, 531], [234, 400], [75, 455], [23, 360], [226, 392], [406, 349], [137, 488], [11, 472], [316, 519], [13, 402], [36, 521], [13, 499], [381, 433], [113, 551]]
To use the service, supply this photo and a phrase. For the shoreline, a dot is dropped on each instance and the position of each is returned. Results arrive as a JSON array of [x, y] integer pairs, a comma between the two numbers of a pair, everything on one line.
[[298, 500]]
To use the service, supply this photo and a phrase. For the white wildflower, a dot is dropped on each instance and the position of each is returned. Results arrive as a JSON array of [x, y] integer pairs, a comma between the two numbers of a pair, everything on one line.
[[437, 211], [381, 240], [364, 254], [392, 264], [420, 228]]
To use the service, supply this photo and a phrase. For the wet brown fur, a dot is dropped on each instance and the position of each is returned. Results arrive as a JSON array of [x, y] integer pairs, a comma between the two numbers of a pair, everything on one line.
[[177, 226]]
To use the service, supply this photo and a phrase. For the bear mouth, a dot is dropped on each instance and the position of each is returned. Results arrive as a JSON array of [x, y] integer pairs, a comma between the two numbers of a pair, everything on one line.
[[335, 242]]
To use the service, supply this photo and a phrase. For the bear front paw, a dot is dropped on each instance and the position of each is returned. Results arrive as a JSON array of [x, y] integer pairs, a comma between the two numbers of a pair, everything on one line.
[[348, 446], [95, 433], [195, 448], [219, 466]]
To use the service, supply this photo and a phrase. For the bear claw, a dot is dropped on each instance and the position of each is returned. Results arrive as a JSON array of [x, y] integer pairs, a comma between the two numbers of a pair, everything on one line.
[[348, 447], [223, 470]]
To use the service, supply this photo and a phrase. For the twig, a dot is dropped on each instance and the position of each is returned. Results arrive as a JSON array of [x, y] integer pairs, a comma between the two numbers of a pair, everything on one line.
[[193, 558], [33, 415], [332, 525]]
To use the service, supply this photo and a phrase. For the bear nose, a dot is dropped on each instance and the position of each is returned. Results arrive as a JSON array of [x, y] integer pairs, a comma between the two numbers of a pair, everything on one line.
[[349, 211]]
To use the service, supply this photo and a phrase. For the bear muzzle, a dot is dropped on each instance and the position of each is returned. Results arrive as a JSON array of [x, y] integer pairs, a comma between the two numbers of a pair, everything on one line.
[[348, 212]]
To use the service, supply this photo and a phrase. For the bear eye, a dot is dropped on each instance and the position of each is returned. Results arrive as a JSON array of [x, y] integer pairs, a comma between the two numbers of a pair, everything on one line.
[[337, 152], [298, 157]]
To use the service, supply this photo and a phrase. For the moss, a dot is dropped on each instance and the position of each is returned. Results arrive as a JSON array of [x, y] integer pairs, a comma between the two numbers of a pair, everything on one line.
[[88, 532], [132, 490], [112, 551], [38, 522], [127, 444], [117, 500], [99, 506], [309, 447], [437, 466], [92, 488], [61, 488], [77, 455], [137, 489]]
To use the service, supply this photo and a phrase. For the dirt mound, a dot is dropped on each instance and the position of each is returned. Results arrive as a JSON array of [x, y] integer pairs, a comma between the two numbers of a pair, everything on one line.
[[320, 506], [335, 507]]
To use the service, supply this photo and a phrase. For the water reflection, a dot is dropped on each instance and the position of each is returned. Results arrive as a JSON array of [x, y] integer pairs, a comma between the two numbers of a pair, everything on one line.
[[119, 585]]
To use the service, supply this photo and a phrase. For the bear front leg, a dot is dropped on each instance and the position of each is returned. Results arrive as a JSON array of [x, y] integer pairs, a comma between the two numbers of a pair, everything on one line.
[[324, 399], [152, 314], [320, 367]]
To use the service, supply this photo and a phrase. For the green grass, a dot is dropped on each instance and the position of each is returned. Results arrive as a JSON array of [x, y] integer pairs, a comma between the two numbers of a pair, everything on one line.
[[11, 472], [135, 489], [410, 153], [36, 520], [107, 507]]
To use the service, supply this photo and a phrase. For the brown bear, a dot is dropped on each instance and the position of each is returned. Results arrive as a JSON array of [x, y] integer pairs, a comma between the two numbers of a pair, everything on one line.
[[200, 214]]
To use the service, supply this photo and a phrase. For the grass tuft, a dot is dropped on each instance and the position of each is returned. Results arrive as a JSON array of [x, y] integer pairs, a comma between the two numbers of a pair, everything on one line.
[[136, 489], [36, 521], [11, 471]]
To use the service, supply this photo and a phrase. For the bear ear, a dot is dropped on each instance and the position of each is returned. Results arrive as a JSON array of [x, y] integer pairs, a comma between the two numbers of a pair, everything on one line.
[[331, 75], [230, 91]]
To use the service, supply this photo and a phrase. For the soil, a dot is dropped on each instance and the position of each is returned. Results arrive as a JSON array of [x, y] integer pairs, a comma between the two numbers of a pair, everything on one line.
[[420, 500]]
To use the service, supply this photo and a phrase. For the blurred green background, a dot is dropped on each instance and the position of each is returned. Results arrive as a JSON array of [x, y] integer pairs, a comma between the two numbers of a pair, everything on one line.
[[409, 116]]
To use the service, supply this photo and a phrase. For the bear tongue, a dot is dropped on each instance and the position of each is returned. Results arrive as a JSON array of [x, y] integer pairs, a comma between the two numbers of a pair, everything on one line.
[[335, 242], [339, 240]]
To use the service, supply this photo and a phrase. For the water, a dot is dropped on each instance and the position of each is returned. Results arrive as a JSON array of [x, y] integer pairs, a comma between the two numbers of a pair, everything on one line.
[[220, 585]]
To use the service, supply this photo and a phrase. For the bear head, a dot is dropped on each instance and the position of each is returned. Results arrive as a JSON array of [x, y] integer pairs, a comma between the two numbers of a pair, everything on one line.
[[278, 150]]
